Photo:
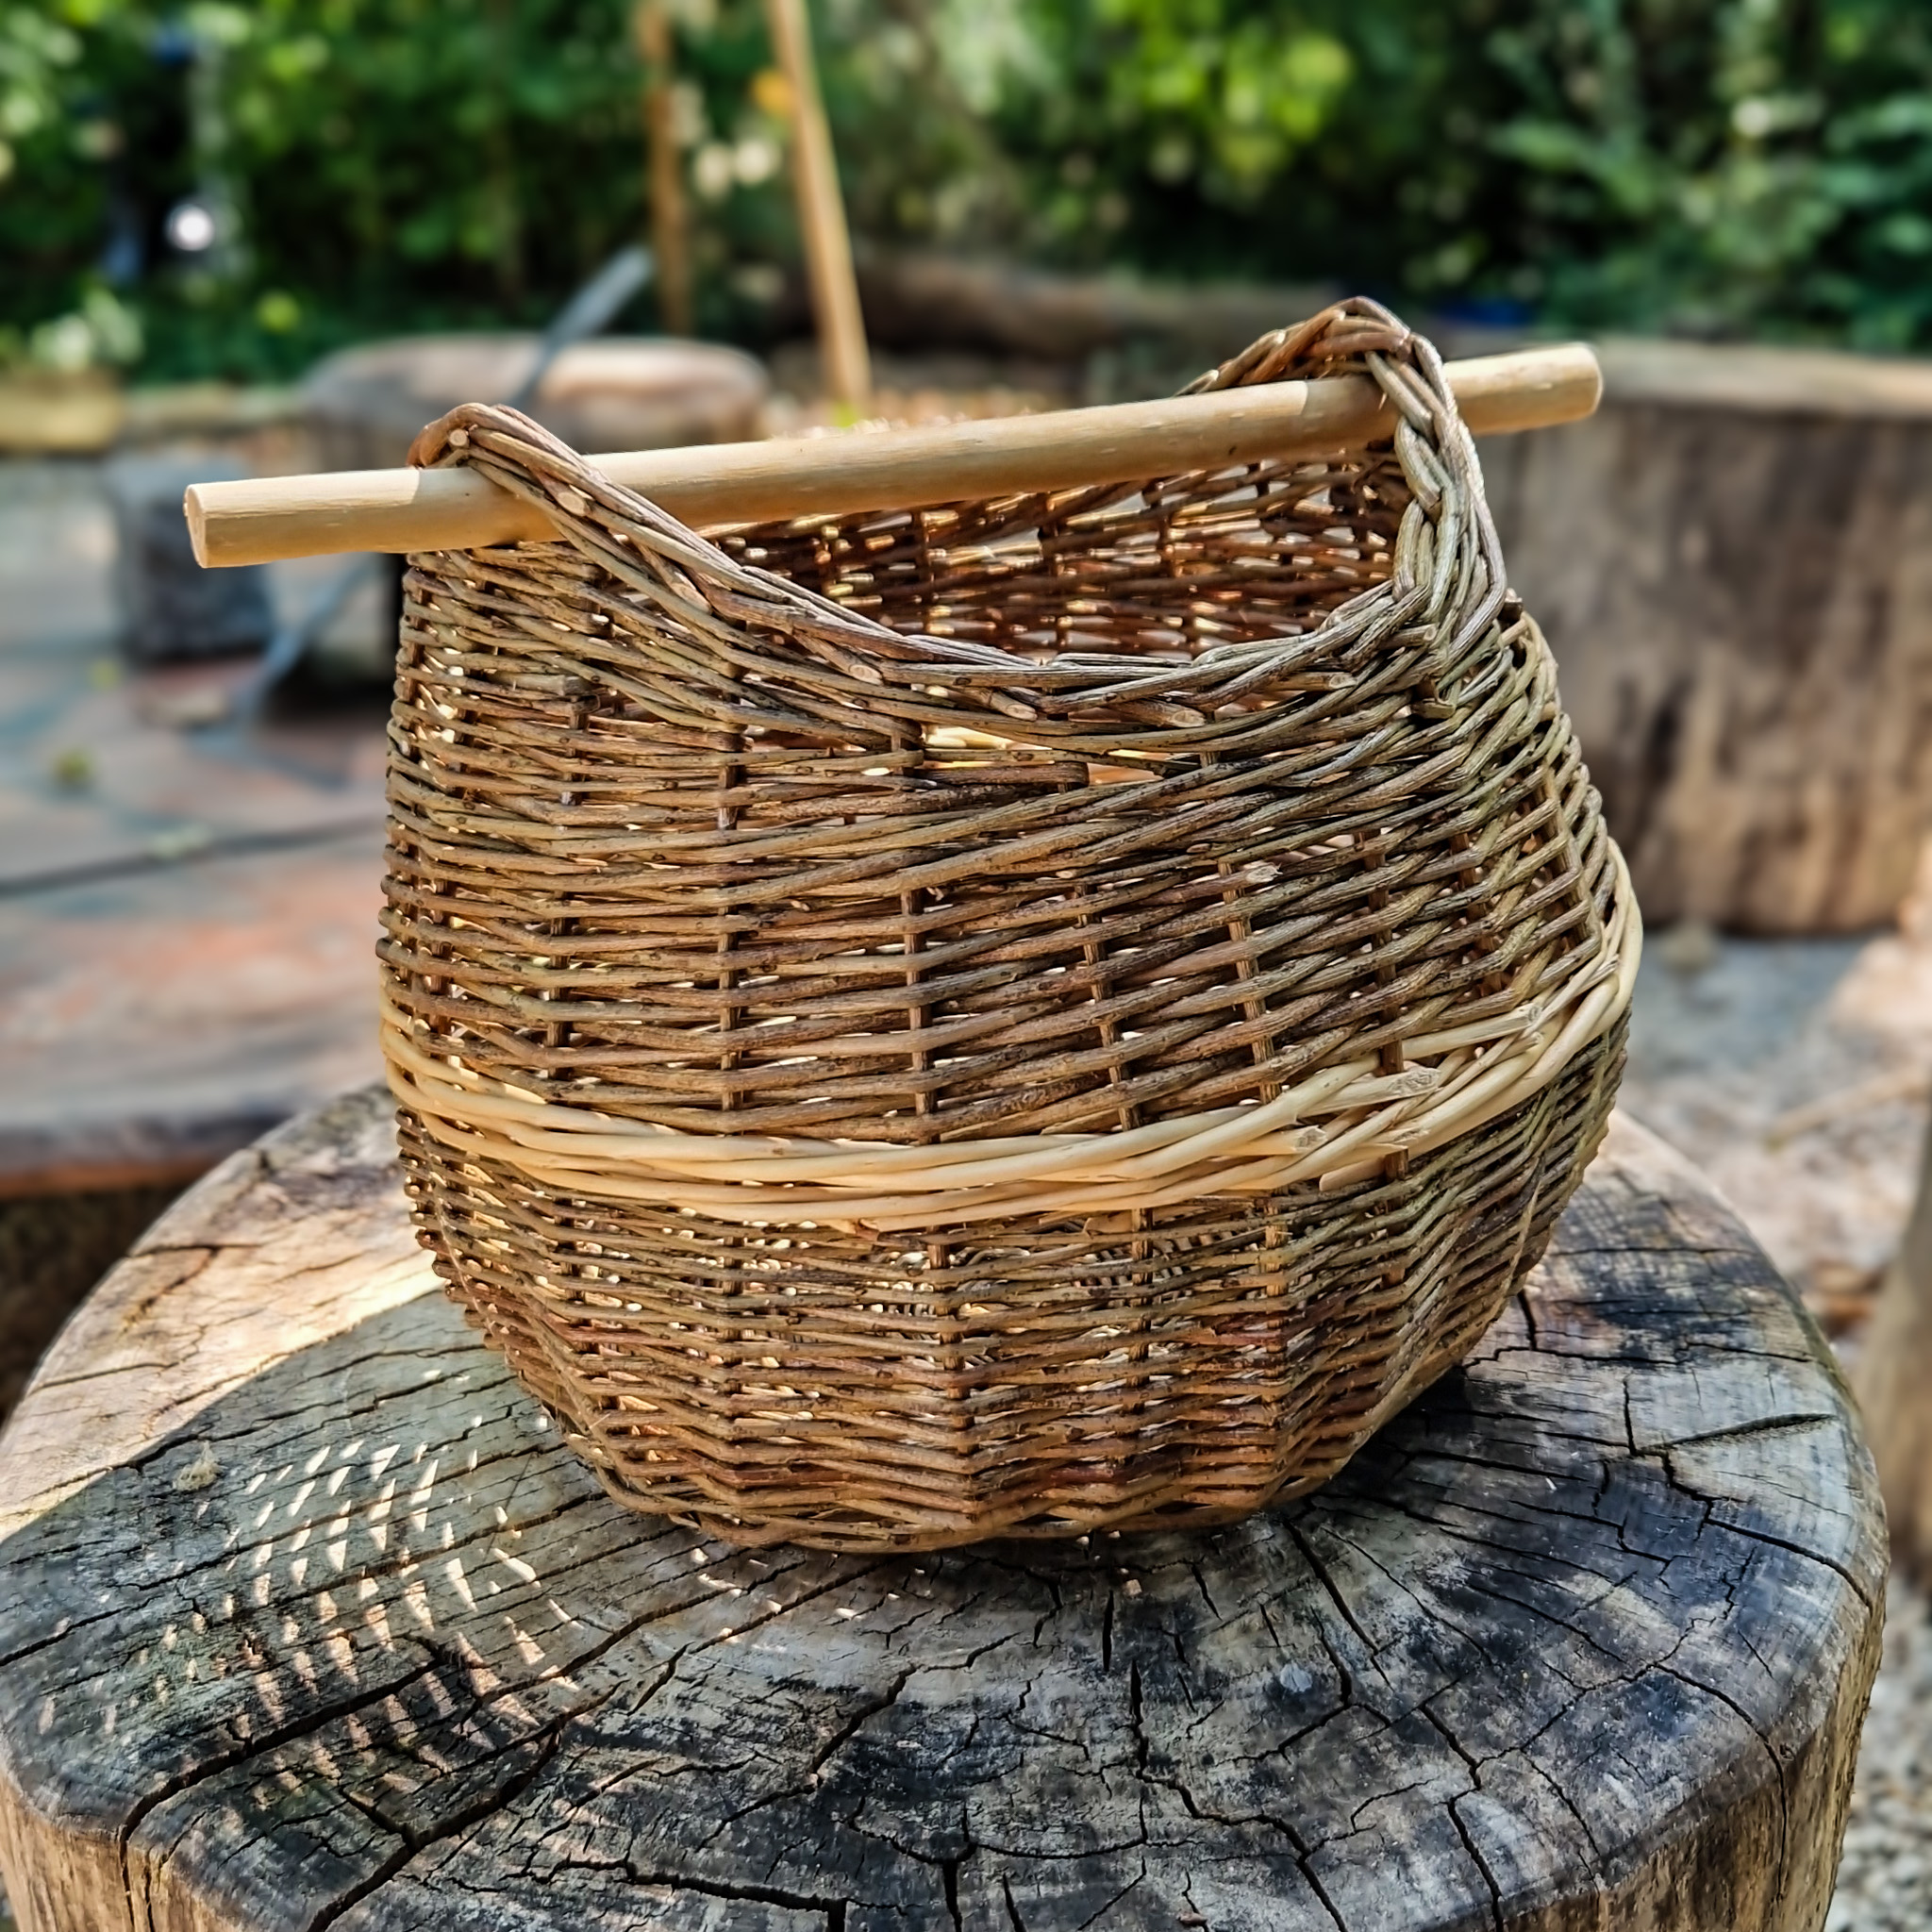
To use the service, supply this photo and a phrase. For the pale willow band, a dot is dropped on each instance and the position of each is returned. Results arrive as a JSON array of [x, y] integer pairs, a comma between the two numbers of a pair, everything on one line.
[[1456, 1079]]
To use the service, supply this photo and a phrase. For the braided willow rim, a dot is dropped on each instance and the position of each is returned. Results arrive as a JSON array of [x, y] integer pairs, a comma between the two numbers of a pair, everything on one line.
[[1022, 1017]]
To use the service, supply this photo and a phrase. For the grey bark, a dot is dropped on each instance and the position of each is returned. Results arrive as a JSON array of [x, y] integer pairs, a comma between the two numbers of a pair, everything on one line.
[[307, 1621]]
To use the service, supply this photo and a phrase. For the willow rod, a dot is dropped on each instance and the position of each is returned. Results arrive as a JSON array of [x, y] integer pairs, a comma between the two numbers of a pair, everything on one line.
[[263, 519]]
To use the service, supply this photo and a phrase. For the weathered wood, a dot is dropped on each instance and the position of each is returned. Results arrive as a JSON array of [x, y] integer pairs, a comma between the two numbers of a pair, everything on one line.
[[1892, 1374], [53, 1249], [307, 1620], [1733, 562]]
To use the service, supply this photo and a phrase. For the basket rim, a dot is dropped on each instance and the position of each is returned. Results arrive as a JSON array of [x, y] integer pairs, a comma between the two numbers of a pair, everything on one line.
[[1357, 336]]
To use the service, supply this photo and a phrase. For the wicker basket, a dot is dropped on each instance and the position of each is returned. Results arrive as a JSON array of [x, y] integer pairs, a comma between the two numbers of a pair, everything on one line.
[[1011, 1019]]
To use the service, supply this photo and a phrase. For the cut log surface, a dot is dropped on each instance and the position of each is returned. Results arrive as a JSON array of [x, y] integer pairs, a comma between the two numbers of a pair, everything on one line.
[[307, 1620]]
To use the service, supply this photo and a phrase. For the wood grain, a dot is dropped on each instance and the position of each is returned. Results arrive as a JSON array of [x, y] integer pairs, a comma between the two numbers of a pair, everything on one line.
[[1733, 567], [308, 1621]]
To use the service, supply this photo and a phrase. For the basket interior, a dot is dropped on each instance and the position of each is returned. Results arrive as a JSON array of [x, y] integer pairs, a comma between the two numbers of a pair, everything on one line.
[[1161, 571]]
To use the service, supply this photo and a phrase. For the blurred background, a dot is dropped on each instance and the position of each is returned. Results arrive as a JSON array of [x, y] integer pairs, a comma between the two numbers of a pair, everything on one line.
[[273, 236], [231, 190]]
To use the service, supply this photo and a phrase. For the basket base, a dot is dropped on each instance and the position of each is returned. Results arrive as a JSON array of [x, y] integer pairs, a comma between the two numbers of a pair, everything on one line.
[[844, 1391]]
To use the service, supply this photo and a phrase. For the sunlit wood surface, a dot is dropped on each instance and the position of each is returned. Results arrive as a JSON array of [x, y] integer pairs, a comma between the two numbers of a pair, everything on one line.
[[307, 1620]]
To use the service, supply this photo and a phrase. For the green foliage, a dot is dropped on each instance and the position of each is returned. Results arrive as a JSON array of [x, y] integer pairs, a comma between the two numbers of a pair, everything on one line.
[[46, 191], [388, 163], [1754, 164], [1720, 166]]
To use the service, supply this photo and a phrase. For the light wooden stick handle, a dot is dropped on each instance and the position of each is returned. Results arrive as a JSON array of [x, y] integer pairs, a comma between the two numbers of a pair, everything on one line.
[[712, 487]]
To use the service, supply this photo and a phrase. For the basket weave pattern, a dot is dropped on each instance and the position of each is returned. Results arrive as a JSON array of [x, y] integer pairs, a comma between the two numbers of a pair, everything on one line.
[[1016, 1017]]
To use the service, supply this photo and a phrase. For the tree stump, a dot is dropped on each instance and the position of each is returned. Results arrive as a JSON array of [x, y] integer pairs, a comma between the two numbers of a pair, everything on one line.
[[1733, 562], [307, 1620]]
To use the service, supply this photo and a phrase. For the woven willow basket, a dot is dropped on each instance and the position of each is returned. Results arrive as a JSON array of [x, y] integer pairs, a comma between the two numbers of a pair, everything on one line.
[[1017, 1018]]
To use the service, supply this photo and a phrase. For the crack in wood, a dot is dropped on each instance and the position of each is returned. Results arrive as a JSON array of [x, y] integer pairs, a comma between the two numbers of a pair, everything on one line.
[[1498, 1665]]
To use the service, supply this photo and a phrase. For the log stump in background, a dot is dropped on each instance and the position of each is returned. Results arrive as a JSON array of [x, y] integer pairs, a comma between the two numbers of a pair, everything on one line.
[[309, 1621], [1733, 562]]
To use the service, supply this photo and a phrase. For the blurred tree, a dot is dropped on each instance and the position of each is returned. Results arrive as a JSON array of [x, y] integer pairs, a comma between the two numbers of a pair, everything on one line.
[[1720, 166]]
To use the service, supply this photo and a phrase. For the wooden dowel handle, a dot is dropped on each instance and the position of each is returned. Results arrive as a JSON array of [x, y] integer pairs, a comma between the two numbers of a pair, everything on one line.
[[713, 487]]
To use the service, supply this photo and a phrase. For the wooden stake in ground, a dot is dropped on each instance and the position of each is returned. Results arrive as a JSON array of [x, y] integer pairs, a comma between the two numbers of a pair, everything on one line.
[[821, 212], [669, 236], [1893, 1376]]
